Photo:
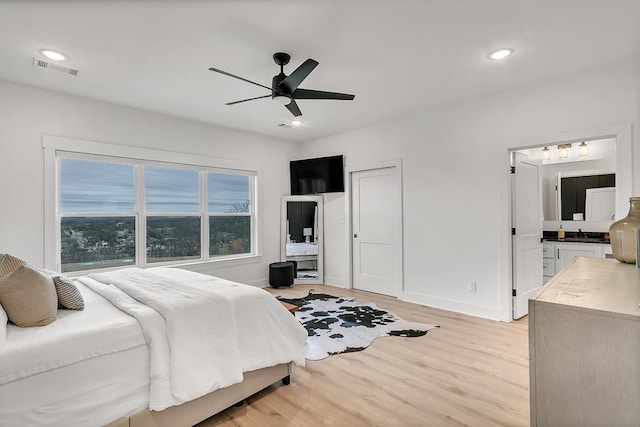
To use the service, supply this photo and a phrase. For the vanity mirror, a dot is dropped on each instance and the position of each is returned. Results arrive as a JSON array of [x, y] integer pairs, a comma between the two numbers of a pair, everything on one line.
[[301, 239], [583, 188]]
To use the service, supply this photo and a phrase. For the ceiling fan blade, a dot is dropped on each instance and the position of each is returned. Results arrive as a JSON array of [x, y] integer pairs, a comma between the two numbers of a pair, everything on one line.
[[245, 100], [319, 94], [294, 79], [294, 109], [240, 78]]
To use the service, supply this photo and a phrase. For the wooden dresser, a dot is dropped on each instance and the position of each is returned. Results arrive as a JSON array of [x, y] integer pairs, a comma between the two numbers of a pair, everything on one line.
[[584, 346]]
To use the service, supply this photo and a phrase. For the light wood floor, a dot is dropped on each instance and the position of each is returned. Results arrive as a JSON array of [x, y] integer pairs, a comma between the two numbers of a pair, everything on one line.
[[470, 372]]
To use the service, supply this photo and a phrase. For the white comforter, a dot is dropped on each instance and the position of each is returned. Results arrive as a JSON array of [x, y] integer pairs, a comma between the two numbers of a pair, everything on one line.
[[203, 332]]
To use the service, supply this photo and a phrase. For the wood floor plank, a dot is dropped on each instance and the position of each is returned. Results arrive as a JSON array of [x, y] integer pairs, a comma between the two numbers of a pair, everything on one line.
[[469, 372]]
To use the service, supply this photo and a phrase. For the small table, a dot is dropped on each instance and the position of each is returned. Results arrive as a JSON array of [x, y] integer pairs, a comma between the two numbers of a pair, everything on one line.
[[292, 308]]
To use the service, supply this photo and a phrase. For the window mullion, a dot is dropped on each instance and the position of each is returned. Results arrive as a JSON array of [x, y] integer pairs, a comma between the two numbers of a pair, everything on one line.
[[254, 216], [141, 217], [58, 230], [204, 221]]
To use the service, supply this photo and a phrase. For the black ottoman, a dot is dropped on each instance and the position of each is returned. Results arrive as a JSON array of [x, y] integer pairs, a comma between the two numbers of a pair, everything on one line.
[[280, 274]]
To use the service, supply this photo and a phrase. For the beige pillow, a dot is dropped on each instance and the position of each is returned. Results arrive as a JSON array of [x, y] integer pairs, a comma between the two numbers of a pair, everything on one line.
[[29, 297], [8, 263]]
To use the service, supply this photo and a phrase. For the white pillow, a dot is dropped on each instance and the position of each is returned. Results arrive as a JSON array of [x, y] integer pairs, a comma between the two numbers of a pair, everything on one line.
[[3, 326]]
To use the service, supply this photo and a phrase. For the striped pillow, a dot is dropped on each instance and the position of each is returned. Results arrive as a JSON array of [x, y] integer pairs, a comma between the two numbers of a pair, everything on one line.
[[29, 297], [8, 264], [68, 294]]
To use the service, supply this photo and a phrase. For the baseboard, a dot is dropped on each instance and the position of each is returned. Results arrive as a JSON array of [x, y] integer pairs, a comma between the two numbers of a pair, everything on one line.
[[336, 281], [451, 305]]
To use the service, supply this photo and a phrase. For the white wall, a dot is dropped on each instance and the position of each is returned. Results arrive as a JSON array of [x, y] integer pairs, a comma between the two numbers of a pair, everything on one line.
[[456, 181], [26, 113]]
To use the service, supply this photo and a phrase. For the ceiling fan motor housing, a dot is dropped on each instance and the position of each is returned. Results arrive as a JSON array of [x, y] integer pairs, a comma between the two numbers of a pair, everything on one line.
[[281, 58], [277, 91]]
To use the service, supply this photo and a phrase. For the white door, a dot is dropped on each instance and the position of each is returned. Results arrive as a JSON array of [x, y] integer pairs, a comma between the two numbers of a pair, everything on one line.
[[527, 232], [377, 231]]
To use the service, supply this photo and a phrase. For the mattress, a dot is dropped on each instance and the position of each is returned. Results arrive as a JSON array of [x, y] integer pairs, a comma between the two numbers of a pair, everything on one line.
[[87, 368]]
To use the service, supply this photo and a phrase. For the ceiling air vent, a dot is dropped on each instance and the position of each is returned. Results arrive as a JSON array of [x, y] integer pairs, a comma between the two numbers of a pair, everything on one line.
[[43, 63]]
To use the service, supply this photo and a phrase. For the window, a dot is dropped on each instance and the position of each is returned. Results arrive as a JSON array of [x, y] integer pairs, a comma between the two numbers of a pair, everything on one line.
[[116, 212], [97, 216], [172, 199], [229, 208]]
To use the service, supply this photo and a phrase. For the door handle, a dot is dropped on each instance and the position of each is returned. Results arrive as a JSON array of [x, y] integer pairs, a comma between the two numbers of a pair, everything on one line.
[[355, 236]]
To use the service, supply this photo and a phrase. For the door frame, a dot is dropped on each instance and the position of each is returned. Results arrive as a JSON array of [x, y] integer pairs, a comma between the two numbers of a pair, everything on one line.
[[398, 242], [624, 183]]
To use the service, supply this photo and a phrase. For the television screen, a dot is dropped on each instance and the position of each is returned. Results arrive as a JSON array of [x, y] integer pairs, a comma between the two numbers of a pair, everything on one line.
[[321, 175]]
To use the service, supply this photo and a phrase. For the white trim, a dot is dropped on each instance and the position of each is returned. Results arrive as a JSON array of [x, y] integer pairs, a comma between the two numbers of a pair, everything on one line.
[[51, 238], [623, 134], [141, 214], [336, 281], [176, 214], [230, 261], [205, 238], [452, 305], [58, 143], [256, 218], [396, 164]]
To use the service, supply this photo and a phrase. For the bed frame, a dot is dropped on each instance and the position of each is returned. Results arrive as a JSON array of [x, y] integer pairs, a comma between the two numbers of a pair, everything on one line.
[[194, 411]]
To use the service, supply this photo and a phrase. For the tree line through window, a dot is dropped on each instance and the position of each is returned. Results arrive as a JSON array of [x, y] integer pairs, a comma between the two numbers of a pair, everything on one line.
[[112, 212]]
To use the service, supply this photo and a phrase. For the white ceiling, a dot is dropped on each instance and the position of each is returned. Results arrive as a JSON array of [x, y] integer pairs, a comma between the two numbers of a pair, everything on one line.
[[396, 56]]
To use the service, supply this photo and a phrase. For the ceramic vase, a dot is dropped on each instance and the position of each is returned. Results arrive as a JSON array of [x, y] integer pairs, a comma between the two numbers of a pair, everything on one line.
[[623, 233]]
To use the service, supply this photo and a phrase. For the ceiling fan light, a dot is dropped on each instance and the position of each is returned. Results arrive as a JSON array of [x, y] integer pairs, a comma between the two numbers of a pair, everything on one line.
[[282, 100]]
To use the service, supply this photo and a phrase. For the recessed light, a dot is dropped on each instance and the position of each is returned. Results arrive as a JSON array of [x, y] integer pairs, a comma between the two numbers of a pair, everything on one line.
[[500, 54], [52, 54], [296, 122]]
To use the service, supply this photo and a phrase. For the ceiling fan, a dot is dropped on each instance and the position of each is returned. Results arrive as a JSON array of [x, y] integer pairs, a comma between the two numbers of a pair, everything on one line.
[[284, 89]]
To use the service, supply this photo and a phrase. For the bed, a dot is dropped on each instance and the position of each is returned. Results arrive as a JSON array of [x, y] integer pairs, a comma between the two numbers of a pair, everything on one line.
[[153, 347]]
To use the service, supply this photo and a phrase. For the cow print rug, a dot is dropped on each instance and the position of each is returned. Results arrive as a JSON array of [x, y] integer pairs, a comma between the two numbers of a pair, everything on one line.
[[340, 325]]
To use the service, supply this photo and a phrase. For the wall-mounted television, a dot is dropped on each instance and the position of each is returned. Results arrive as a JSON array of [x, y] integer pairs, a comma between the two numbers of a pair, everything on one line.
[[319, 175]]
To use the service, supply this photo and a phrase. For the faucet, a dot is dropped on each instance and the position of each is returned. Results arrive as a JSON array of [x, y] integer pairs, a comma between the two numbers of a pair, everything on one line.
[[581, 233]]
